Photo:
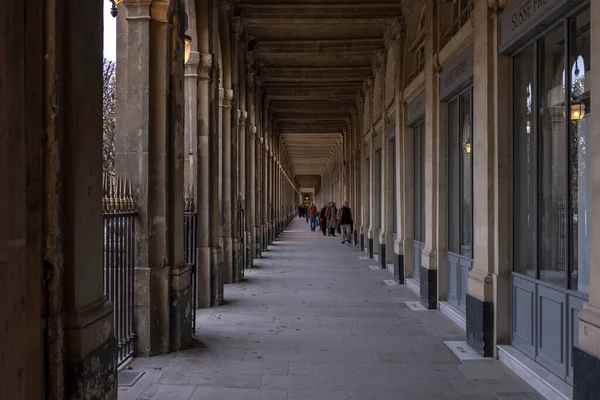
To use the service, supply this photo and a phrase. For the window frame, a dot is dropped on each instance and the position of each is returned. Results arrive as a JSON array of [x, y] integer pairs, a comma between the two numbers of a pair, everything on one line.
[[459, 152], [535, 131]]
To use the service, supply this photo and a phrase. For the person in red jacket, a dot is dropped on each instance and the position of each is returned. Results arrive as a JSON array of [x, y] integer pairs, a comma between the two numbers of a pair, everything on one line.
[[312, 214]]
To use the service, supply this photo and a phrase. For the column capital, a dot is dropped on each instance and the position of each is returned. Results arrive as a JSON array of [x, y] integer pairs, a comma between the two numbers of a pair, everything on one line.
[[252, 131], [137, 9], [227, 97], [242, 117], [159, 11], [204, 66]]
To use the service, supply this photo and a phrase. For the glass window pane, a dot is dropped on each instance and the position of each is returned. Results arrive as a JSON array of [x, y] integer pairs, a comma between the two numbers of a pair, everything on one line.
[[524, 165], [580, 63], [453, 179], [466, 184], [552, 159], [380, 192], [417, 184], [368, 190], [422, 172], [394, 187]]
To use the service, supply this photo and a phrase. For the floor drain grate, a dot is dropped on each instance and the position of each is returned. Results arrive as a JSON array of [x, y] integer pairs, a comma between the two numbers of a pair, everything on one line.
[[390, 282], [374, 267], [415, 306], [129, 378], [463, 351]]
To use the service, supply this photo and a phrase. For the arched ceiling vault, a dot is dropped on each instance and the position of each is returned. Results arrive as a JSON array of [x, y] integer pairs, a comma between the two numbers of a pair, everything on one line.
[[313, 57]]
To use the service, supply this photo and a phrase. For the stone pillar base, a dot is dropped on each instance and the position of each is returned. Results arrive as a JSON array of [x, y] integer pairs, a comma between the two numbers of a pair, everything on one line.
[[203, 278], [237, 260], [216, 279], [480, 325], [371, 248], [586, 380], [382, 256], [181, 304], [250, 251], [94, 377], [91, 354], [355, 236], [399, 268], [428, 285], [362, 242]]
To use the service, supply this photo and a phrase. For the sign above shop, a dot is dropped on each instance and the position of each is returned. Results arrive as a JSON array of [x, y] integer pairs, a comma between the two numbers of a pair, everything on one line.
[[415, 110], [457, 74], [523, 16]]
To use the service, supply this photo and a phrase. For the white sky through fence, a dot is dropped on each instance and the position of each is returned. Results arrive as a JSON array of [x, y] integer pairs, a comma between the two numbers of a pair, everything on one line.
[[110, 33]]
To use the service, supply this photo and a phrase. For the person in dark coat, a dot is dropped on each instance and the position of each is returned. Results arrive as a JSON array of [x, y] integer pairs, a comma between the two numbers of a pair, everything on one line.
[[345, 221], [323, 219]]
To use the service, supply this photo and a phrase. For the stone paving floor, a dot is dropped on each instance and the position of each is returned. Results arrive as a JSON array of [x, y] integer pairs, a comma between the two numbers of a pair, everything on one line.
[[312, 322]]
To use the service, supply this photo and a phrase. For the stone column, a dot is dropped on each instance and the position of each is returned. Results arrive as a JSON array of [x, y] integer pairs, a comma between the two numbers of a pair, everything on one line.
[[480, 296], [144, 162], [252, 163], [265, 181], [259, 170], [80, 346], [215, 97], [32, 314], [428, 273], [236, 31], [586, 355], [228, 174], [191, 126], [206, 291], [369, 191]]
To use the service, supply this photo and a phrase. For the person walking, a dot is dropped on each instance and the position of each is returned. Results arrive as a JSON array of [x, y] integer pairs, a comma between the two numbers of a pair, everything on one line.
[[332, 218], [345, 220], [323, 217], [312, 214]]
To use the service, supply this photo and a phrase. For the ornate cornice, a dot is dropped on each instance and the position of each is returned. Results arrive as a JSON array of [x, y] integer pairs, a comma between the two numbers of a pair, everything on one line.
[[394, 31]]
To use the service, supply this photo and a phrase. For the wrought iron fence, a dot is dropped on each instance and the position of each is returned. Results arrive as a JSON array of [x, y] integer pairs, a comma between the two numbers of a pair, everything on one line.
[[190, 250], [119, 259]]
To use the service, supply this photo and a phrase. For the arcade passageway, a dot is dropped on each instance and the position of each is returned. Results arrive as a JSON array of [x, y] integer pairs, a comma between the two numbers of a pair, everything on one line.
[[463, 134], [312, 321]]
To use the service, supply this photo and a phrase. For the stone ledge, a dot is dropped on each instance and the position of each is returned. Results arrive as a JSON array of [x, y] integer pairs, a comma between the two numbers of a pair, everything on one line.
[[413, 285], [457, 316], [545, 382]]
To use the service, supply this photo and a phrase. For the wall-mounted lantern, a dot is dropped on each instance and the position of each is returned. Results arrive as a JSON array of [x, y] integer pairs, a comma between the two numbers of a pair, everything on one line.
[[468, 147], [113, 9], [577, 111], [188, 48]]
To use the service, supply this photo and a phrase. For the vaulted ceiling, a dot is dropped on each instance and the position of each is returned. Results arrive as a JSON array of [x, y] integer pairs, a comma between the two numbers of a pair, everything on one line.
[[313, 57]]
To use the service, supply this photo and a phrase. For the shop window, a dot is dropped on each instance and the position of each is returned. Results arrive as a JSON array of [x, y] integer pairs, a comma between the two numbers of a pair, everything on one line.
[[579, 156], [380, 187], [368, 190], [551, 197], [524, 162], [394, 188], [419, 182], [460, 170]]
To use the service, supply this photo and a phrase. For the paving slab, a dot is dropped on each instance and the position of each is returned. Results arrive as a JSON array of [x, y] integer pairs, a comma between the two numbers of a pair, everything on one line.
[[312, 322]]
